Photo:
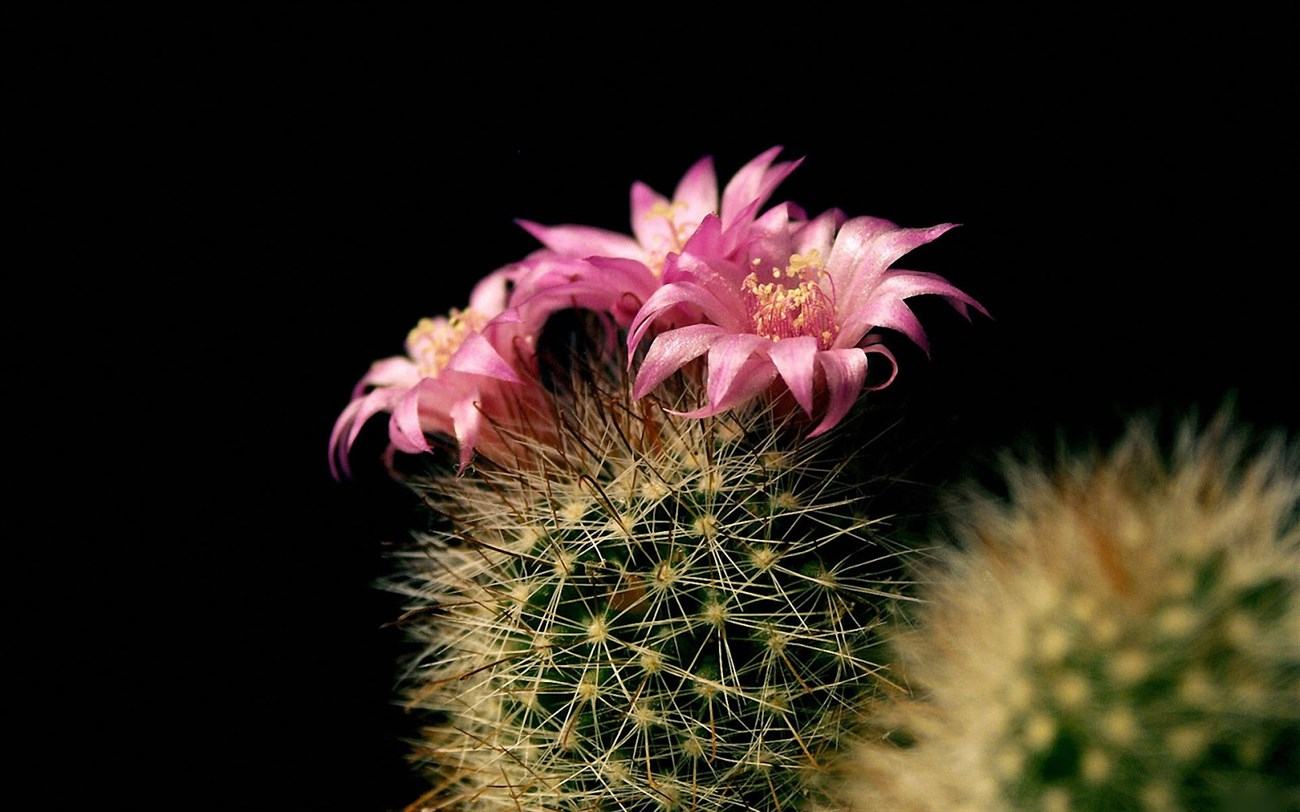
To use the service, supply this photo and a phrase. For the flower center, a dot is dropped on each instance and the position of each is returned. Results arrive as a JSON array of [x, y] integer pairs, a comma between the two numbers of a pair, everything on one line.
[[434, 341], [793, 303]]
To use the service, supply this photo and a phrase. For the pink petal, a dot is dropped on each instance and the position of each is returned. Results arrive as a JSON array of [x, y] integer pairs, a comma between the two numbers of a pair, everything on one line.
[[544, 269], [583, 241], [357, 412], [628, 283], [510, 315], [653, 231], [795, 359], [818, 234], [767, 240], [584, 294], [477, 356], [775, 220], [380, 400], [884, 306], [852, 246], [670, 352], [846, 373], [706, 241], [338, 457], [404, 429], [668, 297], [879, 253], [698, 189], [737, 228], [395, 371], [743, 187], [727, 356], [754, 377], [622, 276], [891, 313], [900, 284], [467, 423], [703, 261], [489, 295], [755, 182], [876, 348]]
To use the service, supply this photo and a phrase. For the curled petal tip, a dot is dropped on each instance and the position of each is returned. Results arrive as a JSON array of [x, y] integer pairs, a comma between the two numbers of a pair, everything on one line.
[[533, 228]]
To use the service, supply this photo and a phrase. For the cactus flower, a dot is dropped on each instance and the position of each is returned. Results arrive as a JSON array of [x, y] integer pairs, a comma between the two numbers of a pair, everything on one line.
[[455, 369], [795, 302], [615, 273]]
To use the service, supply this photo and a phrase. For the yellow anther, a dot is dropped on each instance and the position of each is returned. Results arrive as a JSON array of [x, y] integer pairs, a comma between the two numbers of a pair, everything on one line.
[[432, 342]]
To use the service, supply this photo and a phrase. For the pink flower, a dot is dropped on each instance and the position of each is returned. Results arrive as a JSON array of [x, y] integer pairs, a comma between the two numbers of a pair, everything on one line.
[[614, 273], [796, 302], [455, 370]]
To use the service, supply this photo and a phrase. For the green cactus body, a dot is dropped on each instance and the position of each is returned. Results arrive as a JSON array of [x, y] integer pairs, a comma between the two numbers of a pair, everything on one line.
[[669, 614], [1123, 635]]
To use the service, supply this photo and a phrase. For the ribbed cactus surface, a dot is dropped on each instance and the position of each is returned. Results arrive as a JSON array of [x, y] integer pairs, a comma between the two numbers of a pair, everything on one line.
[[665, 614]]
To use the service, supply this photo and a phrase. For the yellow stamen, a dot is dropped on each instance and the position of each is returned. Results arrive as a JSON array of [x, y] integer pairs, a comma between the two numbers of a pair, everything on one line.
[[781, 310], [433, 342]]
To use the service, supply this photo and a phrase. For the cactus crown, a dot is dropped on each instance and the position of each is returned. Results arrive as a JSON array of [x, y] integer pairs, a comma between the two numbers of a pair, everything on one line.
[[660, 613]]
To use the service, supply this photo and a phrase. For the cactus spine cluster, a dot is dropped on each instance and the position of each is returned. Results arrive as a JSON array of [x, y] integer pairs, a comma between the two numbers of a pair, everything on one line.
[[661, 614], [1123, 634]]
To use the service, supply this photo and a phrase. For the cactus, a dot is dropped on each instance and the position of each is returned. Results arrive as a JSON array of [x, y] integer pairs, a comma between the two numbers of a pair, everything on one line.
[[1123, 634], [664, 613]]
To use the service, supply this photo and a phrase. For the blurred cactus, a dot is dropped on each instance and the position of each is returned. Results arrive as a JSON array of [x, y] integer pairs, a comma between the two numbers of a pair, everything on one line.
[[663, 614], [1124, 634]]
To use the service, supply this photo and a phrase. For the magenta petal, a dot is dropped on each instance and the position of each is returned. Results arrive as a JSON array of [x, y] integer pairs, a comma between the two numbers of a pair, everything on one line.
[[702, 262], [668, 297], [846, 373], [736, 227], [477, 356], [753, 184], [583, 241], [404, 429], [727, 356], [706, 241], [630, 284], [622, 275], [670, 352], [795, 359], [743, 187], [755, 376]]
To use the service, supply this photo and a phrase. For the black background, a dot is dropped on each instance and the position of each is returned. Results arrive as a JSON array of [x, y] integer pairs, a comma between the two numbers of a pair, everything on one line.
[[299, 190]]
